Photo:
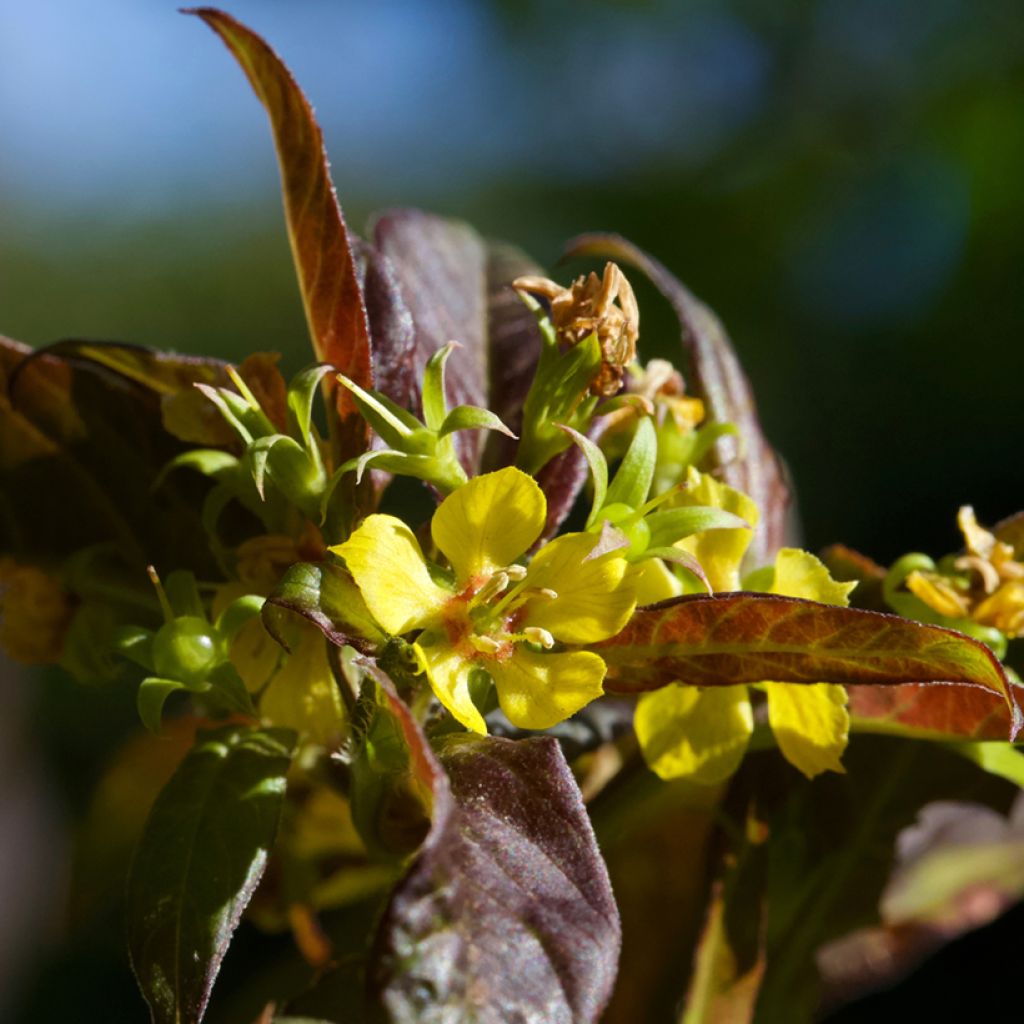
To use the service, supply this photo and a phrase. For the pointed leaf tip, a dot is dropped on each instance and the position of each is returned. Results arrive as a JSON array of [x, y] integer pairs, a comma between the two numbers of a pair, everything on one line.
[[331, 293]]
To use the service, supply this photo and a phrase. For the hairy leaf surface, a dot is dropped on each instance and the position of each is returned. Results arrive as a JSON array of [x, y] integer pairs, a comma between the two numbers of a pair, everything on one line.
[[507, 914], [201, 856], [745, 638]]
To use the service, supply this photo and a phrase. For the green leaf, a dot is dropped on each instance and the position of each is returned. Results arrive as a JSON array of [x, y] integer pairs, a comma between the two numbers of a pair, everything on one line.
[[326, 595], [745, 638], [633, 478], [331, 293], [199, 861]]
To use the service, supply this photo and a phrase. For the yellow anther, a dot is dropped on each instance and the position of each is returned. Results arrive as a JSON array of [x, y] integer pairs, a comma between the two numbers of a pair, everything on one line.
[[493, 587], [538, 635], [484, 644]]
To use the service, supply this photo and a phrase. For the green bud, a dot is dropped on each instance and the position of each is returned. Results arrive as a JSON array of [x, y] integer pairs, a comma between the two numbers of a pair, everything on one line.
[[188, 649]]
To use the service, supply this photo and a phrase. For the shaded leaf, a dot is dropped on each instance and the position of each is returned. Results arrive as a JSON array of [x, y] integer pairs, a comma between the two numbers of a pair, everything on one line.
[[713, 372], [738, 637], [80, 450], [200, 858], [331, 293], [185, 413], [327, 596], [837, 837], [507, 913]]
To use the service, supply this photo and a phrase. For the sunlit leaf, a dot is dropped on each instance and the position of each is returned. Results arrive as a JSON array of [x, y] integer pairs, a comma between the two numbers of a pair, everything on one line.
[[714, 374], [200, 858], [930, 712], [743, 638], [509, 875], [331, 294]]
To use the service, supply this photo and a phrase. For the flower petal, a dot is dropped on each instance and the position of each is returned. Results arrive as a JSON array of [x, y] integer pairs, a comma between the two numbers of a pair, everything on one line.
[[811, 725], [595, 599], [387, 564], [800, 574], [303, 694], [653, 581], [489, 522], [537, 691], [686, 732], [720, 552], [448, 673]]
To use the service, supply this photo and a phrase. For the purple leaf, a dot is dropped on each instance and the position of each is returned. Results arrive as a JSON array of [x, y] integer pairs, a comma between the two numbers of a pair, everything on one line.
[[507, 914]]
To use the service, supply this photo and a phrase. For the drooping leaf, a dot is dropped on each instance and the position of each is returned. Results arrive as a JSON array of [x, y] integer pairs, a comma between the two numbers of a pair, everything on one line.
[[201, 856], [930, 712], [81, 448], [738, 637], [326, 595], [713, 371], [507, 913], [331, 293]]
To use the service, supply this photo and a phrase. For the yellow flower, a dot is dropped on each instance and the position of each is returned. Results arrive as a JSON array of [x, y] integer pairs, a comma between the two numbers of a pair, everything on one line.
[[992, 590], [703, 734], [492, 614]]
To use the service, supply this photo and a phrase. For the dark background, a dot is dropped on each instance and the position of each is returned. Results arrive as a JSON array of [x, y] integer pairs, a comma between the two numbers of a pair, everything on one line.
[[840, 180]]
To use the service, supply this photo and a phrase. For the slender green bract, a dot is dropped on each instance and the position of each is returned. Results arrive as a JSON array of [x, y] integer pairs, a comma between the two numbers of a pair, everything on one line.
[[200, 859]]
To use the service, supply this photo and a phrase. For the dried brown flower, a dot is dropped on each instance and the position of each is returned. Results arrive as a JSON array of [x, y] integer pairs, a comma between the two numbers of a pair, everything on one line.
[[605, 306]]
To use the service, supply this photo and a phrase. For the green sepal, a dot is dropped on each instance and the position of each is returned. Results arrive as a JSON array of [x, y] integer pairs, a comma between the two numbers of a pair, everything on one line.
[[136, 644], [472, 417], [391, 422], [632, 480], [672, 524], [301, 392], [152, 696], [211, 462], [183, 594], [434, 397], [229, 692], [238, 613], [559, 394], [598, 470]]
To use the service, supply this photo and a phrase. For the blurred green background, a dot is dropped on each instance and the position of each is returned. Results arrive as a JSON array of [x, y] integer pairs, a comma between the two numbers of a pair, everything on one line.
[[839, 179]]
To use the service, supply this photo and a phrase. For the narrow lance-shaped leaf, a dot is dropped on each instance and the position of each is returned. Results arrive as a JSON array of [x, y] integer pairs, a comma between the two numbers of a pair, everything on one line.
[[199, 861], [331, 293], [510, 874], [745, 638], [714, 372]]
